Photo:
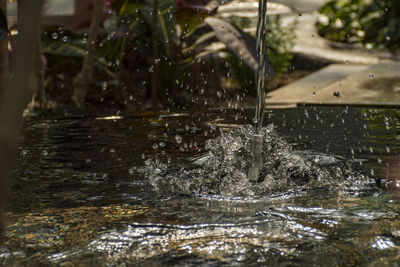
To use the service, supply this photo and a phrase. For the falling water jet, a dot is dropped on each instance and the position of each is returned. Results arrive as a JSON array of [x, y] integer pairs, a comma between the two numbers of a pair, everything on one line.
[[260, 74], [257, 142]]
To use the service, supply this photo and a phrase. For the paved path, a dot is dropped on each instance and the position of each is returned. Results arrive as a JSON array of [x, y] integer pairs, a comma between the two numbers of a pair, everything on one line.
[[303, 5]]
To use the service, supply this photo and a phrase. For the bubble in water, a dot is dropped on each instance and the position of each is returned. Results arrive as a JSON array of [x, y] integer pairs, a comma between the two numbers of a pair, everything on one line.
[[65, 39], [54, 35], [178, 138]]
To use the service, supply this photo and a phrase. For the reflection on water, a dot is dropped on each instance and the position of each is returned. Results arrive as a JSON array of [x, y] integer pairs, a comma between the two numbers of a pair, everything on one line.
[[79, 197]]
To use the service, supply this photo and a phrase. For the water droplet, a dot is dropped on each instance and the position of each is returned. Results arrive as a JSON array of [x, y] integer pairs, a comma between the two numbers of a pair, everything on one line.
[[132, 170], [65, 39], [54, 35], [178, 139], [371, 76], [336, 94]]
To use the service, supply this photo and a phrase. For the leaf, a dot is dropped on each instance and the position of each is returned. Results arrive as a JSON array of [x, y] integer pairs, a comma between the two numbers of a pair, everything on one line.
[[3, 25], [71, 50], [129, 8], [165, 18], [188, 20], [62, 49], [124, 7], [238, 42]]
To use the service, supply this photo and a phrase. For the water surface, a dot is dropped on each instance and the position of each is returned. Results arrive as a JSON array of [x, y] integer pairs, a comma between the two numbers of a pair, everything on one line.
[[79, 195]]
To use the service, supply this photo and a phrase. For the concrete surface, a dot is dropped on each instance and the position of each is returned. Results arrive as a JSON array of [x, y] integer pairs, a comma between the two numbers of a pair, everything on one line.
[[340, 84], [307, 88], [377, 85], [303, 5]]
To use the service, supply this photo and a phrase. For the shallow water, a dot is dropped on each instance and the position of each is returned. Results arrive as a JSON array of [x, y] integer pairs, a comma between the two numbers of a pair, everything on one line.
[[79, 194]]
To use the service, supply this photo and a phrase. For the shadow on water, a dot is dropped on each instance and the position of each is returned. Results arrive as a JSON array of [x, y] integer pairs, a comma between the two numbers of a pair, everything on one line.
[[88, 190]]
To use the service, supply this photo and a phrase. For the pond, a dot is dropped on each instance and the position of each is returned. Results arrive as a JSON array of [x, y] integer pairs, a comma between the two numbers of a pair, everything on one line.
[[82, 193]]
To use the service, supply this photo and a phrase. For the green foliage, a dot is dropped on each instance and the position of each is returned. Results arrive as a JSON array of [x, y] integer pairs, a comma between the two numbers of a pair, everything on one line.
[[70, 46], [279, 42], [372, 23], [166, 19], [124, 49]]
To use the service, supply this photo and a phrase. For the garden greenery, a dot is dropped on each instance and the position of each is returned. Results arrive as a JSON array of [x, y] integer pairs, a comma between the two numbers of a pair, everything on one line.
[[373, 23], [279, 42], [124, 58]]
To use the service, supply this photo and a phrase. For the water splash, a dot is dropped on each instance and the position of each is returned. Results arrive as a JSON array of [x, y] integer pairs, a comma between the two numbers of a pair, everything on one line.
[[224, 169]]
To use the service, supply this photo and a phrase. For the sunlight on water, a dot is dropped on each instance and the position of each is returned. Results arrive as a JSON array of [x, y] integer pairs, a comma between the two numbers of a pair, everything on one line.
[[118, 198]]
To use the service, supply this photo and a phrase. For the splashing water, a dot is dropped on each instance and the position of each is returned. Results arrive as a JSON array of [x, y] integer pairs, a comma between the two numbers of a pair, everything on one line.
[[248, 161], [223, 169]]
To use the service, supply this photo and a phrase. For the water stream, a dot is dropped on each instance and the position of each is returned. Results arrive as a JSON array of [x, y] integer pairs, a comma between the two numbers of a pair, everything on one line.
[[257, 141], [261, 73]]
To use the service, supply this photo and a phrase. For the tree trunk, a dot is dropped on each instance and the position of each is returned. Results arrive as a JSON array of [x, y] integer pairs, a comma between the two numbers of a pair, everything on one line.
[[84, 79], [4, 66], [155, 100], [16, 95], [39, 71], [38, 94]]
